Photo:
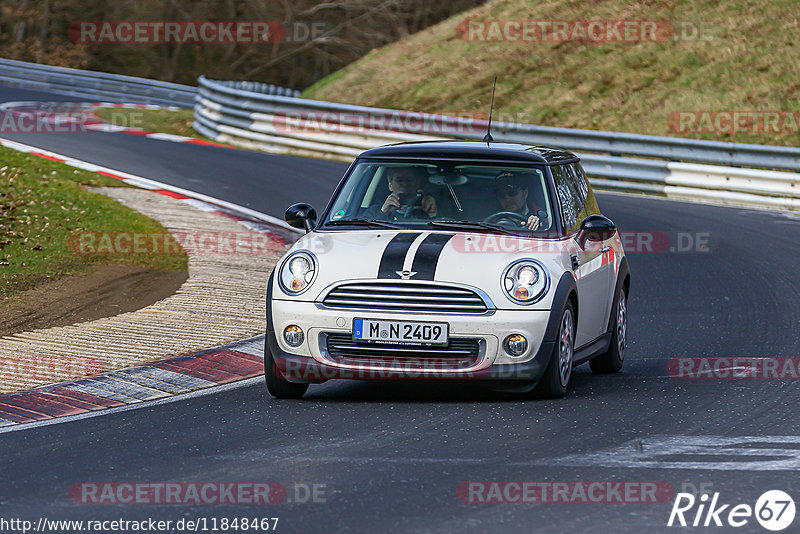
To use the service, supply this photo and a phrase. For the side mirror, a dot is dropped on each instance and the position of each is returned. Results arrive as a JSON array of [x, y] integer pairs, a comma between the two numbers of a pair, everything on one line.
[[595, 228], [301, 216]]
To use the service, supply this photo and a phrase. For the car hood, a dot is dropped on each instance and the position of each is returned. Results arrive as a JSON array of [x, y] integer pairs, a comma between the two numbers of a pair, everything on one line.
[[473, 259]]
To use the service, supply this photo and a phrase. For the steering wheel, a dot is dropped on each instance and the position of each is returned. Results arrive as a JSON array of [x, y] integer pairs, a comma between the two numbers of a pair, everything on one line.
[[510, 216]]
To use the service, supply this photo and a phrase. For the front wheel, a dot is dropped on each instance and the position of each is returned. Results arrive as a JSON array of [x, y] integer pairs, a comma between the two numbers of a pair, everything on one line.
[[279, 387], [553, 383], [611, 361]]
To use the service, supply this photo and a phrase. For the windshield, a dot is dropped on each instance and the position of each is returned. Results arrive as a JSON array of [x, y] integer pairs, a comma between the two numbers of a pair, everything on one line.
[[465, 195]]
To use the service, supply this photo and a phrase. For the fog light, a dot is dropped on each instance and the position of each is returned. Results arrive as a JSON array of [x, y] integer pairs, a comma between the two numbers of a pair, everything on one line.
[[515, 345], [293, 335]]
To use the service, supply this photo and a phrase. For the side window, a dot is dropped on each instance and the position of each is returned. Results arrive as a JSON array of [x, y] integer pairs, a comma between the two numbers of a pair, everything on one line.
[[579, 182], [590, 204], [569, 197]]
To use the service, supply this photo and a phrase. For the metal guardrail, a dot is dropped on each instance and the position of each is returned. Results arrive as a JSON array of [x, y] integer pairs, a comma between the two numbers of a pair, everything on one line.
[[266, 117], [260, 88], [95, 86], [87, 84], [675, 167]]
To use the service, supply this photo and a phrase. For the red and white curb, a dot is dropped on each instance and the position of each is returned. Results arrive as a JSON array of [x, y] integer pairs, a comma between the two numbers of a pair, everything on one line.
[[102, 126], [251, 219], [64, 113], [151, 381], [157, 380], [132, 106]]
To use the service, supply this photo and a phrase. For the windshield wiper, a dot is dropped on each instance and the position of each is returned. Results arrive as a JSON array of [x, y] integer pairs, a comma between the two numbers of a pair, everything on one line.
[[471, 225], [363, 222]]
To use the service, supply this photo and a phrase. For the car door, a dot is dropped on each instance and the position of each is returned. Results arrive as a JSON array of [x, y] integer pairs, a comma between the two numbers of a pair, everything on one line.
[[607, 255], [593, 270]]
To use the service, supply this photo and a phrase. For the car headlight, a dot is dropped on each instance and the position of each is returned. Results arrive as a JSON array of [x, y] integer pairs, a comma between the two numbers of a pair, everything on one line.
[[298, 272], [525, 281]]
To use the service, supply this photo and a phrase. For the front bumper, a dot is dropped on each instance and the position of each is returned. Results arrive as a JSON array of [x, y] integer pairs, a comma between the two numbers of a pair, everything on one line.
[[311, 361]]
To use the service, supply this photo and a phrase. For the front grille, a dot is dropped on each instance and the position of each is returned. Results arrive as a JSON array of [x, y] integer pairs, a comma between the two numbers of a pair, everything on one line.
[[405, 297], [457, 354]]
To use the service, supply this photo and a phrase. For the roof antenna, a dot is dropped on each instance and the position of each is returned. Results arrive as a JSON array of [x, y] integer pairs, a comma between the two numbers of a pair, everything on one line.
[[488, 137]]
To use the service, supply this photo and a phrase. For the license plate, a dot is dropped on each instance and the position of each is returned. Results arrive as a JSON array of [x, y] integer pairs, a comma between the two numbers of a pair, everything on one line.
[[400, 332]]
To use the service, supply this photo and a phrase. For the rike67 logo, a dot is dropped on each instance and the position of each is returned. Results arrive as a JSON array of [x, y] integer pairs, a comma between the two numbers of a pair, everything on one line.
[[774, 510]]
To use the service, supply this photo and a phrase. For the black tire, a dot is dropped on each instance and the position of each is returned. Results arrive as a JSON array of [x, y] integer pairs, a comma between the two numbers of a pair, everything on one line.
[[555, 379], [611, 361], [279, 387]]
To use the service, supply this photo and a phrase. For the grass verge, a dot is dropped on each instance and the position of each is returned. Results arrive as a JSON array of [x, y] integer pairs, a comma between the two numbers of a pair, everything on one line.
[[42, 204], [176, 122], [722, 57]]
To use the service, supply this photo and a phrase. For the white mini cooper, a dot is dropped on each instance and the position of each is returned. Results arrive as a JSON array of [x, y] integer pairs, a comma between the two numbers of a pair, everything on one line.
[[450, 260]]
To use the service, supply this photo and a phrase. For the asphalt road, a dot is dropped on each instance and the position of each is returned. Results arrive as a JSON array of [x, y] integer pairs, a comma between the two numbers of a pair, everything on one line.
[[391, 456], [241, 176]]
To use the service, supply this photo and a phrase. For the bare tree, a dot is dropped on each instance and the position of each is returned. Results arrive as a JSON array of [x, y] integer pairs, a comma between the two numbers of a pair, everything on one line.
[[320, 36]]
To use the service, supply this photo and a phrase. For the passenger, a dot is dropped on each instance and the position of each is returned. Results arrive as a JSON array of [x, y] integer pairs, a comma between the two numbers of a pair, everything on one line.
[[511, 191]]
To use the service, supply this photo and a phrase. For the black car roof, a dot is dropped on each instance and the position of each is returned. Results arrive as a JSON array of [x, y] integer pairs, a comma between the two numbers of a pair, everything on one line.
[[473, 150]]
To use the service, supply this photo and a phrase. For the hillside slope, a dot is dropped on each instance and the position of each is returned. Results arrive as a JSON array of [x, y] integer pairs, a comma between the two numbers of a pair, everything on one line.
[[746, 57]]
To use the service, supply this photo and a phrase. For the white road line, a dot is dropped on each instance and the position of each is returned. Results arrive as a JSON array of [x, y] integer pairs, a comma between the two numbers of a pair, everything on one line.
[[357, 460], [169, 137], [145, 404], [713, 453], [147, 183]]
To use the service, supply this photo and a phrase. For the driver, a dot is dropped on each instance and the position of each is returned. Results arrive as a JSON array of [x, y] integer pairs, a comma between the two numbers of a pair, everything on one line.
[[511, 191], [406, 197]]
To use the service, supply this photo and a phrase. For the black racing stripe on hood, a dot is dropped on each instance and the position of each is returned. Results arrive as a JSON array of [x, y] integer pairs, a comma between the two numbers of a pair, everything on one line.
[[427, 257], [395, 254]]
